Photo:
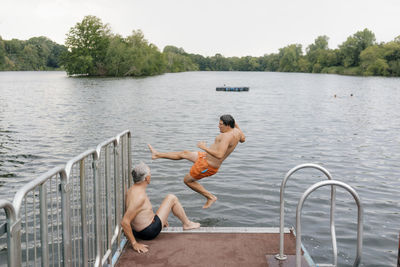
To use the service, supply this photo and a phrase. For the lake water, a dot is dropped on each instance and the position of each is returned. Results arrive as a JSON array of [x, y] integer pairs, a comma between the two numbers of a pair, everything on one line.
[[47, 118]]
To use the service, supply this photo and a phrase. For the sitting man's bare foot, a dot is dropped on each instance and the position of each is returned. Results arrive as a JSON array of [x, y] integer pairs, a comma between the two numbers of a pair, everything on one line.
[[209, 202], [191, 225], [153, 152]]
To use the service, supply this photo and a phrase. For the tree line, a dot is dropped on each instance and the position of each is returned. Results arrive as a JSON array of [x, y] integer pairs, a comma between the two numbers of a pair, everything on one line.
[[37, 53], [92, 49], [360, 54]]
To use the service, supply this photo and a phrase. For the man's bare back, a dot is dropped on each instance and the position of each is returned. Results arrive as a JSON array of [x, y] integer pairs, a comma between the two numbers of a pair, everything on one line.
[[232, 137], [136, 196]]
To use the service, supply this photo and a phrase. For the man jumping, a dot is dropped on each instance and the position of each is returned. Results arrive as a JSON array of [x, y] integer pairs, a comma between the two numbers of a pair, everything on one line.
[[207, 163]]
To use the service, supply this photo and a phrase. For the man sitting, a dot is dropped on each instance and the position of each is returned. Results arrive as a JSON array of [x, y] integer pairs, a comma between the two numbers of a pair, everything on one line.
[[139, 220]]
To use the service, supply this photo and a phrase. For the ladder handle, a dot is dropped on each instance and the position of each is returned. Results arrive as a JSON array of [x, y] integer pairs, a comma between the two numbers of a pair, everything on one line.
[[281, 255], [359, 217]]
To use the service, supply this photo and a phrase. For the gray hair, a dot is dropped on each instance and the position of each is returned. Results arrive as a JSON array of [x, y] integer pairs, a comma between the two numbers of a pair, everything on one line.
[[140, 172]]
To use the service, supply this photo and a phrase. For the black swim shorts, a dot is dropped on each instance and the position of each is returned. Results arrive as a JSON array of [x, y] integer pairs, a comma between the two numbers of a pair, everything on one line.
[[151, 231]]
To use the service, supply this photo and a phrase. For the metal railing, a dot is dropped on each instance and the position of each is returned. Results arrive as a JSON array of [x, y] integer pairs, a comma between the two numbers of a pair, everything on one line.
[[70, 215], [281, 255], [359, 218], [9, 228]]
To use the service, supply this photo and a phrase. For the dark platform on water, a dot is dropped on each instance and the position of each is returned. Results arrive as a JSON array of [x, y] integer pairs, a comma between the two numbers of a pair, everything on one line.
[[233, 89], [213, 247]]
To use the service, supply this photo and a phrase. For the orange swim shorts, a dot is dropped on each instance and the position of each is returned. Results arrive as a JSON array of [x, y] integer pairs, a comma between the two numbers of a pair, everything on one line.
[[200, 168]]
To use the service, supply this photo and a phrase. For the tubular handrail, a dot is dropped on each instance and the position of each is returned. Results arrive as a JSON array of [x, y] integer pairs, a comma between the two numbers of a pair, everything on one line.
[[115, 140], [281, 255], [359, 217], [76, 159], [21, 193], [62, 195], [9, 209], [11, 228]]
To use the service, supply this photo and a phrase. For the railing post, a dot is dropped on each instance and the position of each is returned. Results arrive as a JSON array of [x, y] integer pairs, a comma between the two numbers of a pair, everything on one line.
[[65, 214], [108, 199], [44, 225], [121, 166], [130, 181], [13, 229], [14, 242], [281, 255], [82, 173], [97, 209], [118, 192]]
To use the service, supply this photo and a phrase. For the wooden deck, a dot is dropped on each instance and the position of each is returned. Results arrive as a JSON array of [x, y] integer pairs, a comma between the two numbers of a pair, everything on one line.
[[213, 247]]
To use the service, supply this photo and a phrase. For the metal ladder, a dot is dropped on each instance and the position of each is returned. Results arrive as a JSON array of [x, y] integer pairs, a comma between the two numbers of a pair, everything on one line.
[[281, 256], [359, 219]]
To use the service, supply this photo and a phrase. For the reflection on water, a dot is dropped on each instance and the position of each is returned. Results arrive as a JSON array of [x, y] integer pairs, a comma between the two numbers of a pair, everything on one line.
[[289, 119]]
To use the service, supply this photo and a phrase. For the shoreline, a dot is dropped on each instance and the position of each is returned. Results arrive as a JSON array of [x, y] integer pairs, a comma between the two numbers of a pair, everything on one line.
[[110, 76]]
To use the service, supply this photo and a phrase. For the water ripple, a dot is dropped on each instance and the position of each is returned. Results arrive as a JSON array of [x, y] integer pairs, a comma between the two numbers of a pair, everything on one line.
[[289, 119]]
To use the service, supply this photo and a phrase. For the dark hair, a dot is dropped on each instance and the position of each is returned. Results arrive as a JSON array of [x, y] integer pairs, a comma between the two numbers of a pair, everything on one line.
[[228, 120]]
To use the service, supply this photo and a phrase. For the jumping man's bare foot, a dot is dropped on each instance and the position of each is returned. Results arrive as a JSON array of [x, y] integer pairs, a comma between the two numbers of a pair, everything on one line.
[[153, 152], [209, 202], [191, 225]]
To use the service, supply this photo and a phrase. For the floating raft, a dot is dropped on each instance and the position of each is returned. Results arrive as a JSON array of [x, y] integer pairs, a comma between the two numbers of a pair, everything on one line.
[[233, 89]]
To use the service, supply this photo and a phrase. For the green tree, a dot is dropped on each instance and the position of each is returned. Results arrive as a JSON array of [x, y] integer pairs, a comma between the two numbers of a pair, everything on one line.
[[47, 51], [143, 58], [155, 61], [37, 53], [270, 62], [2, 54], [303, 64], [372, 61], [320, 43], [174, 49], [289, 57], [87, 42], [392, 55], [13, 53], [200, 61], [116, 57], [254, 64], [14, 46], [178, 60], [31, 58], [53, 61], [351, 49], [319, 55], [42, 45], [235, 63], [219, 63]]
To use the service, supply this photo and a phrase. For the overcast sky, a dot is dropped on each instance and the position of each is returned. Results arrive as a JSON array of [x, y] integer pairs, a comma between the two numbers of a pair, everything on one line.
[[207, 27]]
